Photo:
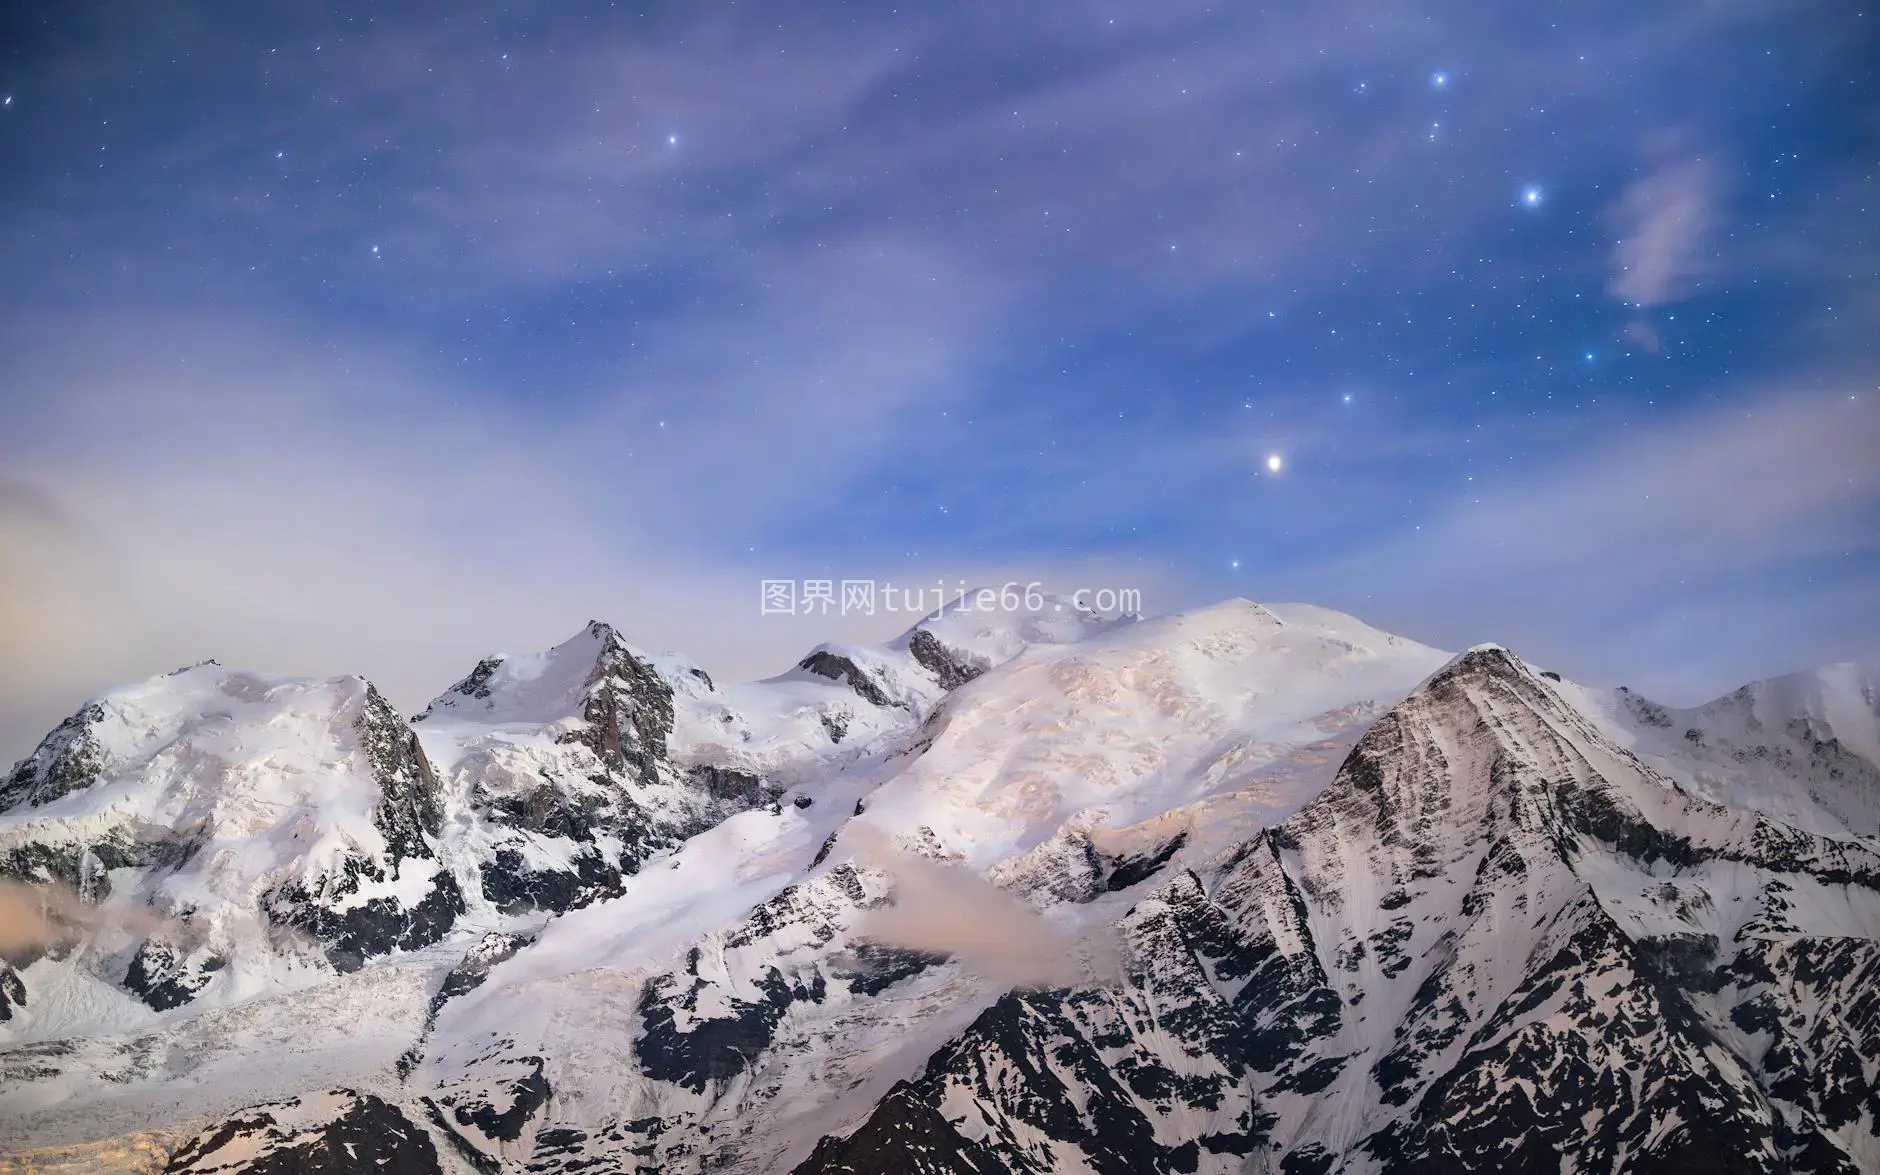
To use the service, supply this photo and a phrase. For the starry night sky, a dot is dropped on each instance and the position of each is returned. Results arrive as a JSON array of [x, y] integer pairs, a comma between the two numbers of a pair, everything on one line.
[[374, 340]]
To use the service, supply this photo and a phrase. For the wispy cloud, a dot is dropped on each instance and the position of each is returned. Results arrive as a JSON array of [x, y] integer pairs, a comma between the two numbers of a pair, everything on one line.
[[34, 918], [1665, 223], [944, 908]]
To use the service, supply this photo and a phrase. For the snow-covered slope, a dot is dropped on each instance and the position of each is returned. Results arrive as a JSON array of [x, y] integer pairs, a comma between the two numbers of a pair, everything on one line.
[[565, 770], [1245, 889], [1802, 747]]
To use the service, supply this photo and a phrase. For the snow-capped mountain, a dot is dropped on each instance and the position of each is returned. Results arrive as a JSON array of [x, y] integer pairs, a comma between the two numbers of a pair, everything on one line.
[[234, 825], [1247, 889]]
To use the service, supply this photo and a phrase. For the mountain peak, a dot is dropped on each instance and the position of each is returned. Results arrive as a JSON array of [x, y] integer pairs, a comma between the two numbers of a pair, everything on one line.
[[538, 687]]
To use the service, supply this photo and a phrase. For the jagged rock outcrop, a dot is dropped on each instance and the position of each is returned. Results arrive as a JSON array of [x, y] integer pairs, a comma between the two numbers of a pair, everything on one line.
[[335, 1133], [566, 759]]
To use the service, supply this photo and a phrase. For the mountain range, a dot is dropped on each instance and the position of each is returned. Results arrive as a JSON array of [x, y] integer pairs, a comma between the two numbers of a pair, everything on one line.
[[1248, 889]]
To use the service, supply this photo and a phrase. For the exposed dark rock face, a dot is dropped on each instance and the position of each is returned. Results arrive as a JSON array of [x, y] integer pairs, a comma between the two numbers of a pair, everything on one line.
[[713, 1048], [905, 1136], [1070, 868], [722, 783], [487, 1116], [1644, 709], [627, 712], [515, 886], [950, 667], [475, 968], [582, 821], [164, 972], [84, 867], [836, 667], [410, 815], [378, 926], [874, 968], [412, 807], [524, 1094], [1128, 871], [12, 990], [67, 759], [340, 1133], [1034, 1058], [475, 684], [166, 976]]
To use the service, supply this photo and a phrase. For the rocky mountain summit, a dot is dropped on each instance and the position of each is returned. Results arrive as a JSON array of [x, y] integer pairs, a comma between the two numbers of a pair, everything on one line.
[[1247, 889]]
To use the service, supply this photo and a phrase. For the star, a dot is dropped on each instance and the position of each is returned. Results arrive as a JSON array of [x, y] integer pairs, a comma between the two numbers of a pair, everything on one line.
[[1439, 80], [1275, 463], [672, 140], [1531, 196]]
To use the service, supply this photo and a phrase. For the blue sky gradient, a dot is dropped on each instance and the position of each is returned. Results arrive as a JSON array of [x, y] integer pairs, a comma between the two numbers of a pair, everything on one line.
[[374, 339]]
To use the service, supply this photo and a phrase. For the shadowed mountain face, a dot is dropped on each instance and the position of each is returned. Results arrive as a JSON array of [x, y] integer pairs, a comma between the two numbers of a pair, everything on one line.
[[1247, 889]]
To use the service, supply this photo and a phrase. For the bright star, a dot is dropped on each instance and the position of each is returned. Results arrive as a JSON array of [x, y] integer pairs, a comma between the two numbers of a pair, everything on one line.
[[672, 140], [1235, 565], [1531, 196], [1275, 463], [1347, 397], [1439, 80]]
